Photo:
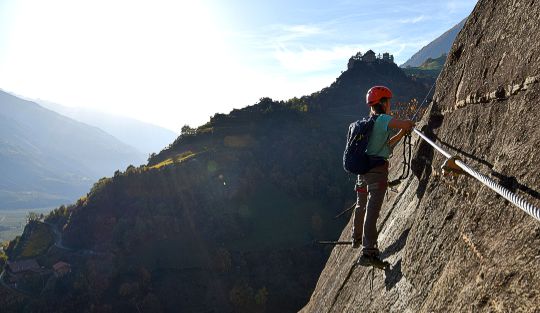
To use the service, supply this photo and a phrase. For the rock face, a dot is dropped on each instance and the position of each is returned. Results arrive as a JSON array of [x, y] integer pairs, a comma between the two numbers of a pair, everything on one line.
[[454, 245]]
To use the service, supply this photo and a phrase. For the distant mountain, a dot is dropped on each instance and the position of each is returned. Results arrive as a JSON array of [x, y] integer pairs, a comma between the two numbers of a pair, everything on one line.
[[47, 159], [441, 45], [146, 137]]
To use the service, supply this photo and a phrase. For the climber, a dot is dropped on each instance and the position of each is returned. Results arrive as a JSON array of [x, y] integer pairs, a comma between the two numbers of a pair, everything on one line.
[[375, 181]]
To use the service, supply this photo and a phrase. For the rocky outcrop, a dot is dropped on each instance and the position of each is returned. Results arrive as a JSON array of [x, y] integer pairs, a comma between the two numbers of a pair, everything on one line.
[[454, 245]]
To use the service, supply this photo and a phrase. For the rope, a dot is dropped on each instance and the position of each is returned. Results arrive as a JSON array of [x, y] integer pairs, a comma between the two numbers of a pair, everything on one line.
[[422, 104], [505, 193], [406, 162], [346, 210]]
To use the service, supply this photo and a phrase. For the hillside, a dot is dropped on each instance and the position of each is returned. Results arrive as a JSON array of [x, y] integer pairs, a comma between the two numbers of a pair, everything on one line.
[[223, 220], [145, 137], [47, 159], [454, 245], [439, 46], [430, 69]]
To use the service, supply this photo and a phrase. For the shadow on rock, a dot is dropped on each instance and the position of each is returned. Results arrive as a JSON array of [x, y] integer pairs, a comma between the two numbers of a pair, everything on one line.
[[397, 245], [512, 184], [393, 276], [509, 182], [462, 152], [421, 164]]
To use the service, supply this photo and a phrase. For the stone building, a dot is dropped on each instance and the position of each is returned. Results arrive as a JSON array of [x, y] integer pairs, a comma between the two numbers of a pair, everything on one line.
[[370, 57], [387, 57]]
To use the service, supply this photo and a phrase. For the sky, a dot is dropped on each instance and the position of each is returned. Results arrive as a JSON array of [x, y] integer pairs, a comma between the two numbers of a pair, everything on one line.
[[173, 63]]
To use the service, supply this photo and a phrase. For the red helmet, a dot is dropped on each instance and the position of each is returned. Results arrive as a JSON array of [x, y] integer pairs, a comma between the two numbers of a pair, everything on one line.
[[376, 93]]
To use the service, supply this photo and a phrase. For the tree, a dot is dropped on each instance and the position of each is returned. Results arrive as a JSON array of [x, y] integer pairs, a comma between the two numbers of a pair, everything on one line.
[[261, 297], [32, 217], [223, 260], [241, 295], [3, 258], [187, 130]]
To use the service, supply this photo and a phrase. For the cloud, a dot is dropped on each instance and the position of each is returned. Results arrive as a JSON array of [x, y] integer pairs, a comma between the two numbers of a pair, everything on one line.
[[292, 33], [312, 60], [312, 48], [412, 20], [302, 30], [321, 59]]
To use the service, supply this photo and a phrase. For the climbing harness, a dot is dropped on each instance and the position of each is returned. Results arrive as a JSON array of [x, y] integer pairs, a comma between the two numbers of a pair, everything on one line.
[[358, 189], [456, 163]]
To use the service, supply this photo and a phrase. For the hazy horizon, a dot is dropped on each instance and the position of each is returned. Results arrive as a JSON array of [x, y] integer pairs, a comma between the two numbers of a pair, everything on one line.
[[169, 63]]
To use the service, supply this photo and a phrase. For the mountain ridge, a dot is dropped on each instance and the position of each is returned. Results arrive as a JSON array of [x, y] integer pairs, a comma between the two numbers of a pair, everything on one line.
[[51, 157], [439, 46], [147, 138]]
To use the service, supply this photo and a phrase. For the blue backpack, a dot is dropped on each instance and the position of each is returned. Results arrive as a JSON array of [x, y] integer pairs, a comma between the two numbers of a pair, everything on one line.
[[355, 159]]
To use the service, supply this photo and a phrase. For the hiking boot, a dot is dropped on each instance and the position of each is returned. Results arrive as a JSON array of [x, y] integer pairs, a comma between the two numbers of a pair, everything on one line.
[[356, 243], [372, 260]]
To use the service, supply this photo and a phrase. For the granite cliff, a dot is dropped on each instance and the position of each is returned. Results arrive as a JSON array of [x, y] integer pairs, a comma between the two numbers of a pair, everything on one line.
[[454, 245]]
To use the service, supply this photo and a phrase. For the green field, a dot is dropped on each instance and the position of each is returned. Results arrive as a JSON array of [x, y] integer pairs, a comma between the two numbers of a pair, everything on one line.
[[12, 222]]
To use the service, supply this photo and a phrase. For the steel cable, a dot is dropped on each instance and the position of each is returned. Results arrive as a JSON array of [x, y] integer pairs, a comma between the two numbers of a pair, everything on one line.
[[504, 192], [507, 194]]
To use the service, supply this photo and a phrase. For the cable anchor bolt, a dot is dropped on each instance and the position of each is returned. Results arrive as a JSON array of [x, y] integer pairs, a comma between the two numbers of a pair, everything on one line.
[[451, 168]]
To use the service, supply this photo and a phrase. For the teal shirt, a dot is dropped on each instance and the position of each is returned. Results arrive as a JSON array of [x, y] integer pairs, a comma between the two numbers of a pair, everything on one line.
[[378, 142]]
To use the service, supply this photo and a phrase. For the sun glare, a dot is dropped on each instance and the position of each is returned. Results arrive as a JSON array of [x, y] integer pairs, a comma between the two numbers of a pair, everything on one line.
[[120, 56]]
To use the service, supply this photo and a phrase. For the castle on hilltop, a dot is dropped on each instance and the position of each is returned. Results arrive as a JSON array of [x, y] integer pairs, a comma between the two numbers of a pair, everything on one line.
[[370, 57]]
